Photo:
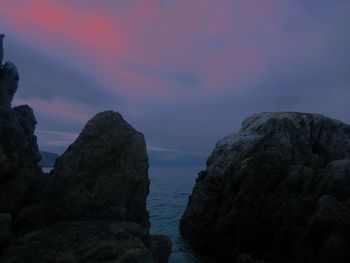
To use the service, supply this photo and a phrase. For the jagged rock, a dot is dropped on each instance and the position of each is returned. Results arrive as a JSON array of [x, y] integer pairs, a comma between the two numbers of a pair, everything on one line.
[[26, 119], [19, 153], [278, 190]]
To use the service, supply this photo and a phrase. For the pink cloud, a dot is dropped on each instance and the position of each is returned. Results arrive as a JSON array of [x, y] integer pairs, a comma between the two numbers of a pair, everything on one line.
[[227, 44], [168, 37], [56, 108]]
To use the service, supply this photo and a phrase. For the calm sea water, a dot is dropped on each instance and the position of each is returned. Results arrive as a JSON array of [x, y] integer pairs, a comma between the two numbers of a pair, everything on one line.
[[169, 192]]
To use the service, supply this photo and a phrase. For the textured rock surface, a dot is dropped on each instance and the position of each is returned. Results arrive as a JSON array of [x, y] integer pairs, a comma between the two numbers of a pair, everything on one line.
[[91, 208], [98, 186], [278, 190], [102, 175]]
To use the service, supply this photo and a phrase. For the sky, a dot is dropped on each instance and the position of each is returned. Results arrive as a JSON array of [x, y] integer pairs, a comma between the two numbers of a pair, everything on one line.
[[185, 73]]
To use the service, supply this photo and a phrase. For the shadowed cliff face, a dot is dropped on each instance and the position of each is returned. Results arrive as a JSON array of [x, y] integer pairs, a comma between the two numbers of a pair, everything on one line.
[[91, 208], [277, 190]]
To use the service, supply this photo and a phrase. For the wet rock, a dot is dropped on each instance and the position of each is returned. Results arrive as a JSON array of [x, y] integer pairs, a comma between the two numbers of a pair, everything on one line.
[[278, 190]]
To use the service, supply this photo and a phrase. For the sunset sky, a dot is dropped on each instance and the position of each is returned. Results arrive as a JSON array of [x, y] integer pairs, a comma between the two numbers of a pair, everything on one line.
[[183, 72]]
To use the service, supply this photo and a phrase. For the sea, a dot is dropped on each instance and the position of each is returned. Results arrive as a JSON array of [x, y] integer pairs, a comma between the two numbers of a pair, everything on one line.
[[169, 191]]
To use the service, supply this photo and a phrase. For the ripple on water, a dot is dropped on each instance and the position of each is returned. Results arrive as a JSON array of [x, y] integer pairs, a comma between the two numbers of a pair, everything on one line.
[[169, 191]]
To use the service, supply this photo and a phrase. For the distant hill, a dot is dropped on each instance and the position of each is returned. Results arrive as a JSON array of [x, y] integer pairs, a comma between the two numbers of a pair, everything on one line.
[[48, 159]]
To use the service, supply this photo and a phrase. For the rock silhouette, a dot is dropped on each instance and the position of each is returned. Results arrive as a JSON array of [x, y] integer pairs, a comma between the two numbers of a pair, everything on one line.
[[19, 155], [276, 191], [90, 208]]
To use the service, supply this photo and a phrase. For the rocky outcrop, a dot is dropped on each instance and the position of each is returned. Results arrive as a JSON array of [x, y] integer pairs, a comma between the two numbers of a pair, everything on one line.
[[104, 173], [276, 191], [93, 202], [90, 208], [19, 155]]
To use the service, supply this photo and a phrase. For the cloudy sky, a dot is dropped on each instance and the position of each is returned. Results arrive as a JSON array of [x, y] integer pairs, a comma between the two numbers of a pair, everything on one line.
[[183, 72]]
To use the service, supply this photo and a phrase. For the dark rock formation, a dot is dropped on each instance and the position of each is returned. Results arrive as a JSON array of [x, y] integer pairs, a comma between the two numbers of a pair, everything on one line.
[[48, 159], [103, 175], [93, 202], [91, 208], [277, 191], [19, 155]]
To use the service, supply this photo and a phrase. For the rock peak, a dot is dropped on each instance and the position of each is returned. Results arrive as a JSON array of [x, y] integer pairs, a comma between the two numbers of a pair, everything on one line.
[[297, 117], [8, 79]]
